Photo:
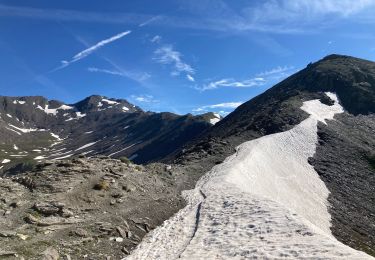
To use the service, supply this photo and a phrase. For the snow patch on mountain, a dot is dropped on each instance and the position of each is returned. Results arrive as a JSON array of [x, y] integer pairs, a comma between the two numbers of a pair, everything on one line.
[[110, 102], [26, 130], [265, 202], [63, 157], [80, 115], [10, 129], [85, 146], [53, 111], [216, 119], [19, 102], [123, 149], [56, 136]]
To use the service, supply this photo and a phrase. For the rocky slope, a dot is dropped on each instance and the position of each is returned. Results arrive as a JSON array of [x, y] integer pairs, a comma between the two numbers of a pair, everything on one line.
[[33, 129], [94, 208]]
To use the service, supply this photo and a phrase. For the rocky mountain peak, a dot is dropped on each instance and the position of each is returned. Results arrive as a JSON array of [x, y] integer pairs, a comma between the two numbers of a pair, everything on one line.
[[353, 80], [96, 103], [212, 118]]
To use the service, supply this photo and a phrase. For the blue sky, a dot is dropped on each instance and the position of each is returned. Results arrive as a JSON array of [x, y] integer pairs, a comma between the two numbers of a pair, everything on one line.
[[179, 56]]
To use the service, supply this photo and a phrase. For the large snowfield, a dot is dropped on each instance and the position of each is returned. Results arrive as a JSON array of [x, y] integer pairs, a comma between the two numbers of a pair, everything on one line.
[[263, 202]]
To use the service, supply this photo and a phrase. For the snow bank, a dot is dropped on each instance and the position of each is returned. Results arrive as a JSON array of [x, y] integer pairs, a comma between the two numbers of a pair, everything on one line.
[[276, 167], [27, 130], [56, 136], [86, 145], [110, 102], [53, 111], [216, 119], [19, 102], [5, 161], [265, 201], [80, 115], [123, 149]]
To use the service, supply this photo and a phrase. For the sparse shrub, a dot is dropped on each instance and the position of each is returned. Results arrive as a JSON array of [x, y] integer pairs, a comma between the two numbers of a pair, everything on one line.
[[35, 214], [19, 168], [371, 160], [102, 185], [125, 160]]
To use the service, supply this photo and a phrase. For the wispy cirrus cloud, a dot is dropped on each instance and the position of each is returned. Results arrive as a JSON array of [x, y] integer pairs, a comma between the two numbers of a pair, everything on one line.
[[152, 19], [258, 80], [69, 15], [253, 82], [144, 98], [221, 108], [304, 9], [167, 55], [220, 105], [122, 73], [83, 54], [190, 78], [279, 16], [275, 16], [279, 71], [301, 16], [156, 39]]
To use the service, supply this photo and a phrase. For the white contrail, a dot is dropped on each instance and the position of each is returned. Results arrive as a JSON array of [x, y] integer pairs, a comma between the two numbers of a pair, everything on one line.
[[90, 50], [150, 21], [100, 44]]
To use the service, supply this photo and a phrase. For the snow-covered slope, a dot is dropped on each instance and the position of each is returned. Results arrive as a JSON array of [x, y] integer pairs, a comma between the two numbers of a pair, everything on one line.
[[265, 201]]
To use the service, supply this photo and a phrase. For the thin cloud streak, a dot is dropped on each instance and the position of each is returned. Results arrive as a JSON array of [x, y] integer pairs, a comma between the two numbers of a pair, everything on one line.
[[139, 77], [276, 71], [253, 82], [144, 98], [156, 39], [220, 105], [150, 21], [221, 108], [260, 79], [83, 54], [274, 16], [190, 78], [73, 15]]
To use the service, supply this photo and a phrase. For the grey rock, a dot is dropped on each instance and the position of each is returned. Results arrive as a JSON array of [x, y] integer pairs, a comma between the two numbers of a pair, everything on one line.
[[50, 254]]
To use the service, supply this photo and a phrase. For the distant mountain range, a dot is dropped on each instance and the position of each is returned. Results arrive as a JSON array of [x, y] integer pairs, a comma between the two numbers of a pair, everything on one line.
[[34, 128]]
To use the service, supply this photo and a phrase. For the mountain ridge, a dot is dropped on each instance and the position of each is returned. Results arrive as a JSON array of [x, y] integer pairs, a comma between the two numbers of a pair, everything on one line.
[[97, 125]]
